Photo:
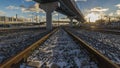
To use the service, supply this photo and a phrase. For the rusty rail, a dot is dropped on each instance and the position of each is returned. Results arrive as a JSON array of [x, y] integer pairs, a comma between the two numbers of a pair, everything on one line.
[[104, 62], [25, 53]]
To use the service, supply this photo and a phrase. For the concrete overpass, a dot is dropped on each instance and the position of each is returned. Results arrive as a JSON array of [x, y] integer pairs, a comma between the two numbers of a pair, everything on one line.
[[66, 7]]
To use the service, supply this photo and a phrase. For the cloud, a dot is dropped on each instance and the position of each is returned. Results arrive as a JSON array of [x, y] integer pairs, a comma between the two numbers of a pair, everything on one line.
[[12, 7], [118, 5], [95, 13], [111, 14], [30, 15], [28, 0], [2, 12], [99, 9], [80, 0], [118, 12], [32, 8], [55, 13], [92, 17], [22, 6], [43, 18], [22, 16]]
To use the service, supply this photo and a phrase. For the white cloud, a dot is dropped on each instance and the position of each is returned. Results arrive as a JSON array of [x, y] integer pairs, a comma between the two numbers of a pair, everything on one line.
[[12, 7], [25, 10], [32, 8], [92, 17], [111, 14], [118, 12], [118, 5], [28, 0], [96, 10], [81, 0], [43, 18], [30, 15], [21, 16], [55, 13], [95, 13], [99, 9], [2, 12]]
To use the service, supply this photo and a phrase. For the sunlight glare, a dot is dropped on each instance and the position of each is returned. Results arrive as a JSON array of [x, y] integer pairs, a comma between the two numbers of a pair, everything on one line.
[[92, 17]]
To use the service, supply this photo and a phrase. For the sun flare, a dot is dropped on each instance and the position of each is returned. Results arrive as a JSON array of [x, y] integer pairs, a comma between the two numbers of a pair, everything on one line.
[[92, 17]]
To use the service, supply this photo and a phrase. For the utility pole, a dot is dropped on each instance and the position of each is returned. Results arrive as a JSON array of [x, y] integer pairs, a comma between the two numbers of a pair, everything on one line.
[[32, 18], [39, 18], [109, 19], [89, 19], [101, 19], [4, 19], [12, 19], [36, 18], [16, 17], [58, 19]]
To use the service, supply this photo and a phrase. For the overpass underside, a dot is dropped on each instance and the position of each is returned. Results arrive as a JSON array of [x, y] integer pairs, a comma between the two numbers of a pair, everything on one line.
[[66, 7], [45, 1]]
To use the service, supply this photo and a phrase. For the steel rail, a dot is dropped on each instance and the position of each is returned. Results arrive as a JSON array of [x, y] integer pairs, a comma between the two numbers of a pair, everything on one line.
[[104, 62], [25, 53]]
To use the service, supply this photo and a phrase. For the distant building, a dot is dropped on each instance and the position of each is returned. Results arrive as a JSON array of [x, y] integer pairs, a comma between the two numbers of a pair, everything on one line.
[[5, 20]]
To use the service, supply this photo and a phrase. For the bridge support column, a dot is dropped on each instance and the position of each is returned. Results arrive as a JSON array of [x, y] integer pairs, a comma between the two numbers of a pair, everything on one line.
[[71, 21], [49, 20], [79, 23], [49, 8]]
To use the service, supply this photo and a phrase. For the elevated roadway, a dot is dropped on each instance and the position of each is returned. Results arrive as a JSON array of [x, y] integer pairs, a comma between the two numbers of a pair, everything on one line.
[[66, 7]]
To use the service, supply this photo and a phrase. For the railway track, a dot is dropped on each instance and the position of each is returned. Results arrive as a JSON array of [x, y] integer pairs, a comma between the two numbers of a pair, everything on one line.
[[116, 32], [62, 52], [107, 44], [102, 30], [104, 61], [92, 57], [14, 61], [107, 31], [15, 42], [10, 30]]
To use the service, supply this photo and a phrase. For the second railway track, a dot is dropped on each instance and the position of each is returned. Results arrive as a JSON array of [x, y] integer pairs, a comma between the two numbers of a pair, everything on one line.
[[62, 50]]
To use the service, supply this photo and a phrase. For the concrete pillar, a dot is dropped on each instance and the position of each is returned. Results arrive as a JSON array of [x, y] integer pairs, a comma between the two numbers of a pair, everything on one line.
[[49, 20], [49, 8], [79, 23], [71, 21]]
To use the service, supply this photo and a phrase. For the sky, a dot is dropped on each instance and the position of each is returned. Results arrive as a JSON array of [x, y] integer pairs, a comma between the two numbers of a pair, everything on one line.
[[27, 8], [98, 8], [12, 7], [23, 8]]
